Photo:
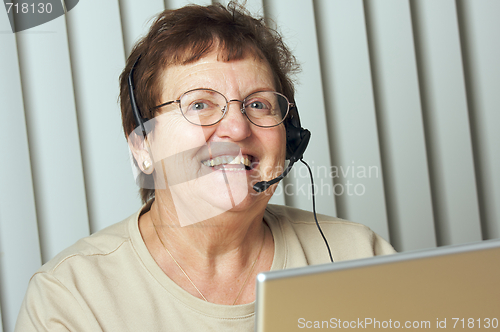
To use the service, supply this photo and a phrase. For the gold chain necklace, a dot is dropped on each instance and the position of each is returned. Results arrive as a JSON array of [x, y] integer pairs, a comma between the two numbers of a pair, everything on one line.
[[191, 281]]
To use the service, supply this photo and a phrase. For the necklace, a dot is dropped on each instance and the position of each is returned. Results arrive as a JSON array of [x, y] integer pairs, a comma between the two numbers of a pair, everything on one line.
[[191, 281]]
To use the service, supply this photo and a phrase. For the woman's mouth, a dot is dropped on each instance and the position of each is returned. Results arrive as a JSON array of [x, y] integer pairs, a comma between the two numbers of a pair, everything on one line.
[[231, 163]]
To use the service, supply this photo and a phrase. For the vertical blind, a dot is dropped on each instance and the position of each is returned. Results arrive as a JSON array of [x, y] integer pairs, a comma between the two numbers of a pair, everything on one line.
[[401, 98]]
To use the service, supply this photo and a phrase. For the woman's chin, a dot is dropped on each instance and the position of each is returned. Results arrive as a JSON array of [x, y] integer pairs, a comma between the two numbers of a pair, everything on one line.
[[232, 192], [228, 197], [211, 195]]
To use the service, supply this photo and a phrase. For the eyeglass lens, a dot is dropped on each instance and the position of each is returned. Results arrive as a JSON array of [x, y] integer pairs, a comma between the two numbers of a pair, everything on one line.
[[206, 107]]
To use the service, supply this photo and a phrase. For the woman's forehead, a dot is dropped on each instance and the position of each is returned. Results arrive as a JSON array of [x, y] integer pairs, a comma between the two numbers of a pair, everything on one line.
[[250, 72]]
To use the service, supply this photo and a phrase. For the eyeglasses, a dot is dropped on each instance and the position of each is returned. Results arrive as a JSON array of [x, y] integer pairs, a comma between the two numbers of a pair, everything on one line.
[[206, 107]]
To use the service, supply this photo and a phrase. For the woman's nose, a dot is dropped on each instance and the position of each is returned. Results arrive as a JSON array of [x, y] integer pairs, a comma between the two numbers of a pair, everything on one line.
[[235, 124]]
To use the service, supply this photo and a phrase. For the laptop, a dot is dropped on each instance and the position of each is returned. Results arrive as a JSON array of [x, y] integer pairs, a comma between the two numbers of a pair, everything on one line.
[[453, 287]]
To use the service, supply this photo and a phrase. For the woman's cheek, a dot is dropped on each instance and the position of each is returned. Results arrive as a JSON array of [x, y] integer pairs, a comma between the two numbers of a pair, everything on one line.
[[174, 136]]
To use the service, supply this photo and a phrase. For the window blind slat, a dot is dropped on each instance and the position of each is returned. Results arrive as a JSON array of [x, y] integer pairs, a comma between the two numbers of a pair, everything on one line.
[[173, 4], [446, 121], [351, 112], [400, 124], [97, 60], [53, 136], [480, 31], [136, 18]]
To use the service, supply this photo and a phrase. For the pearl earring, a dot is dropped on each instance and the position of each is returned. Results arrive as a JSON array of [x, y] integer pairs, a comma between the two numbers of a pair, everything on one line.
[[146, 164]]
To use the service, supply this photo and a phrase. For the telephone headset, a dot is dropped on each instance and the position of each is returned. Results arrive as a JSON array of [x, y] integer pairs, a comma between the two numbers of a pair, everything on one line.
[[297, 139]]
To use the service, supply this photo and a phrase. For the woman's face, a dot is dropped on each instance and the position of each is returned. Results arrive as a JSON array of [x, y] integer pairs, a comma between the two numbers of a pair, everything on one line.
[[207, 168]]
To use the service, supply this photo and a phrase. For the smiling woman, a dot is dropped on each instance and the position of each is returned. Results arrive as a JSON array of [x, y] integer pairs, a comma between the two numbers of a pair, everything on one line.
[[205, 120], [194, 150]]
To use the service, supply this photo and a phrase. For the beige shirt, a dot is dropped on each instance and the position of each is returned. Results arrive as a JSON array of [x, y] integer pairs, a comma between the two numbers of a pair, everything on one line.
[[110, 282]]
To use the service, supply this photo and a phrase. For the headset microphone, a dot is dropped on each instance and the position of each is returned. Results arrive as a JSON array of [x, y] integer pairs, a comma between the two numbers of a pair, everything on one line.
[[305, 136]]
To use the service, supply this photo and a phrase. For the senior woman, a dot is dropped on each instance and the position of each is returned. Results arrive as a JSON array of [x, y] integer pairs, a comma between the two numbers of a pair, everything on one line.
[[211, 92]]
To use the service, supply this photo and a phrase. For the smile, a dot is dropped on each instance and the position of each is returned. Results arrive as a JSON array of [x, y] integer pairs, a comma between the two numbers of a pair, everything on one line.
[[230, 163]]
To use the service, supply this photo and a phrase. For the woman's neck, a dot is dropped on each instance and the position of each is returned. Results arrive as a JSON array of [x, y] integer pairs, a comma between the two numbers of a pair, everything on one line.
[[219, 251], [230, 233]]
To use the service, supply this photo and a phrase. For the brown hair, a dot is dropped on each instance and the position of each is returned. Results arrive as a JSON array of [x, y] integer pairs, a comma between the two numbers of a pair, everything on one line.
[[187, 34]]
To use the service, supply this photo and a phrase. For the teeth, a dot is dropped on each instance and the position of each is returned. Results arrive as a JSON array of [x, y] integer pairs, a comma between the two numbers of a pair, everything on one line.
[[223, 160]]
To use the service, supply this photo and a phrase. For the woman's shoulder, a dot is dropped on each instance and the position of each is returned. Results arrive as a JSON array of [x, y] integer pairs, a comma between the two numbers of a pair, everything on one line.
[[303, 219], [347, 240], [99, 244]]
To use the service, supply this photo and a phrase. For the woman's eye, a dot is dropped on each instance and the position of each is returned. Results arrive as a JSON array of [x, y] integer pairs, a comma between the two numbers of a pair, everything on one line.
[[257, 105], [198, 106]]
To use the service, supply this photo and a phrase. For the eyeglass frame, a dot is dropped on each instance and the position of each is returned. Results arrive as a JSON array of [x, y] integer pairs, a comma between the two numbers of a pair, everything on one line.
[[226, 108]]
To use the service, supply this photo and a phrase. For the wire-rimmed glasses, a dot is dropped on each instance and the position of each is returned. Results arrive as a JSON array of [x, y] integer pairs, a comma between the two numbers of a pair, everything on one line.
[[206, 107]]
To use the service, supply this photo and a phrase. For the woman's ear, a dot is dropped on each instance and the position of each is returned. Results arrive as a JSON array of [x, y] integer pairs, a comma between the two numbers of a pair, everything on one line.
[[139, 146]]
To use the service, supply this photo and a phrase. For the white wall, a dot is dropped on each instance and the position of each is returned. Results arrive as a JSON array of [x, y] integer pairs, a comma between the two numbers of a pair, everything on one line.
[[406, 90]]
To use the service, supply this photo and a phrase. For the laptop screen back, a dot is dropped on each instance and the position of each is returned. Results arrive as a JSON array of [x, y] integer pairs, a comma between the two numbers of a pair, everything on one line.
[[456, 287]]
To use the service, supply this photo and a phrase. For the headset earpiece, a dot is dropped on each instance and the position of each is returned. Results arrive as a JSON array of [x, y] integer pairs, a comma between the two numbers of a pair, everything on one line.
[[297, 137]]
